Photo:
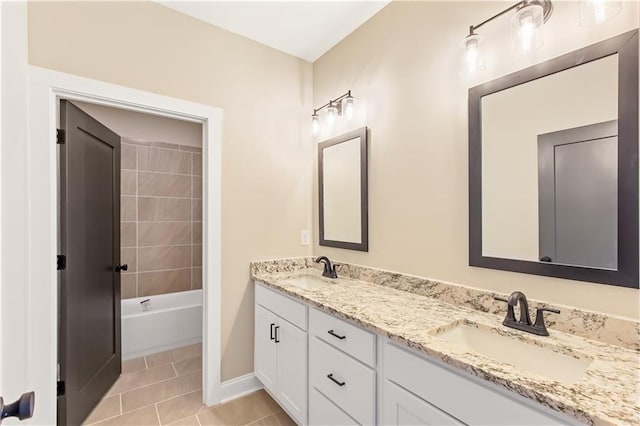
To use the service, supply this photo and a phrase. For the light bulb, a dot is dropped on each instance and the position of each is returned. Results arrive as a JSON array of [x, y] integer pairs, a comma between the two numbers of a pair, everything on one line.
[[315, 124], [594, 12], [473, 58], [526, 28], [332, 113], [348, 106]]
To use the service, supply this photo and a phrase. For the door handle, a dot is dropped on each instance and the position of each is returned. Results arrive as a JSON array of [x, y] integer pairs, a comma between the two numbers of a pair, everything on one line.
[[22, 408], [122, 267], [276, 330], [271, 332]]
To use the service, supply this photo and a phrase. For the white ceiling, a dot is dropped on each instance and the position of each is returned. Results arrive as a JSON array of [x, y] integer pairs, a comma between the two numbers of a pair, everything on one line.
[[306, 29]]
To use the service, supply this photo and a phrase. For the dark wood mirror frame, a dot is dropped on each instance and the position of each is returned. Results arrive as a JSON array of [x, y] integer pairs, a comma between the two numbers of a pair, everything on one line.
[[626, 275], [361, 133]]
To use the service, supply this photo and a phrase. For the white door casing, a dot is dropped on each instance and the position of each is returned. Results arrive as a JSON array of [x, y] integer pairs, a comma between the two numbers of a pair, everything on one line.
[[46, 88]]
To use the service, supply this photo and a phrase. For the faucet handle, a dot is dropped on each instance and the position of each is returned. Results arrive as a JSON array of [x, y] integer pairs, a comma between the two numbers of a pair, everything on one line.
[[511, 316], [539, 324]]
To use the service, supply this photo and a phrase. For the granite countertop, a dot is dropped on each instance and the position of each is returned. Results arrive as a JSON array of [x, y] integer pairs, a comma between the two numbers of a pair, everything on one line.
[[607, 393]]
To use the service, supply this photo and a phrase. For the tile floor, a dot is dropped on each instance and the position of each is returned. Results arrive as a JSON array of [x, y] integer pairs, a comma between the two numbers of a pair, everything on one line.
[[166, 389]]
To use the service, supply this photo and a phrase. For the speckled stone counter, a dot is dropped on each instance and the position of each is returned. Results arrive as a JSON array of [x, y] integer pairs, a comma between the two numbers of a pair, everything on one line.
[[607, 393]]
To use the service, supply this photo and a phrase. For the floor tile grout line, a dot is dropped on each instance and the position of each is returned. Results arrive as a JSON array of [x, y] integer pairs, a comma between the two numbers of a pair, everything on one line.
[[157, 414], [165, 400], [262, 418], [151, 384]]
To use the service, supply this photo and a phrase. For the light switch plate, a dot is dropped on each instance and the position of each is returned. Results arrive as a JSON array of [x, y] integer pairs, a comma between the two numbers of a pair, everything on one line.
[[304, 237]]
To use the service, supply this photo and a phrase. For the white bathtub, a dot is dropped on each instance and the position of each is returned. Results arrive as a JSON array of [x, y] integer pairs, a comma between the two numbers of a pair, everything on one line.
[[174, 320]]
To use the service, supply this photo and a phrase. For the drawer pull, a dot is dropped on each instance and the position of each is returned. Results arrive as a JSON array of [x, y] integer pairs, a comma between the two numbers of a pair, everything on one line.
[[330, 377], [333, 333], [271, 333], [277, 337]]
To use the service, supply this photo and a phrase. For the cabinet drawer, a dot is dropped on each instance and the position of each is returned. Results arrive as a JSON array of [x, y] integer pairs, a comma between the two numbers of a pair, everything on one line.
[[348, 383], [460, 397], [347, 337], [323, 412], [283, 306]]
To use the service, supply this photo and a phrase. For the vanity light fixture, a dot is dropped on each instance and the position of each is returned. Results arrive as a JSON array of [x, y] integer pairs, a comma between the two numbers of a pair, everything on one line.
[[526, 30], [594, 12], [341, 106]]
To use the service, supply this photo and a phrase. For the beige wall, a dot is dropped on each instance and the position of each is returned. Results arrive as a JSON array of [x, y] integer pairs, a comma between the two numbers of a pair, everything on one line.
[[266, 98], [137, 125], [403, 67]]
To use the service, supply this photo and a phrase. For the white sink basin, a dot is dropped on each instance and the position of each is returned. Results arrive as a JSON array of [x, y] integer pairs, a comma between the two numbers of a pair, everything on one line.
[[308, 282], [524, 356]]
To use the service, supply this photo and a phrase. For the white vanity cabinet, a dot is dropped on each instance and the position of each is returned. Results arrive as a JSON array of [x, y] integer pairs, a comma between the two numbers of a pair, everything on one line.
[[280, 354], [418, 390], [328, 371]]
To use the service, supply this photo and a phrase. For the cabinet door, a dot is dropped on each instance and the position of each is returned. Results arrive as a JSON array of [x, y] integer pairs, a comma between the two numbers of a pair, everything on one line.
[[323, 412], [265, 348], [401, 407], [292, 369]]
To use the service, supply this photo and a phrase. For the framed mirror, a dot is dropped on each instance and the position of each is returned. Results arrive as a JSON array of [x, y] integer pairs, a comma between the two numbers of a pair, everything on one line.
[[342, 191], [553, 167]]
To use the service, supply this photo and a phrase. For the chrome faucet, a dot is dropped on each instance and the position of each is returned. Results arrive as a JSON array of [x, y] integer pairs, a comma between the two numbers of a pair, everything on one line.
[[329, 270], [524, 322]]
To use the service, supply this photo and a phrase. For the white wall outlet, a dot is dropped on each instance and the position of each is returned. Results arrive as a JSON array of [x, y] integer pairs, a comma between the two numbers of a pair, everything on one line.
[[304, 237]]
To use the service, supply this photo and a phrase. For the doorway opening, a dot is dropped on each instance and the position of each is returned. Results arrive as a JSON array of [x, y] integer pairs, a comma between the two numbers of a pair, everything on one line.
[[147, 311], [46, 89]]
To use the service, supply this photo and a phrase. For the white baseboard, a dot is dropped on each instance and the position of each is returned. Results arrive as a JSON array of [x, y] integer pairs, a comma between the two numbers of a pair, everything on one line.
[[235, 388]]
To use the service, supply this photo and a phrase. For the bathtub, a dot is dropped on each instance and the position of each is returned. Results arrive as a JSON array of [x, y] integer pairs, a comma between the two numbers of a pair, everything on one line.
[[173, 320]]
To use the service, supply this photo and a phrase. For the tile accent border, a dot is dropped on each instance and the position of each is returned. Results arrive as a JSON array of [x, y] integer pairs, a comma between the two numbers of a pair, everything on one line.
[[592, 325]]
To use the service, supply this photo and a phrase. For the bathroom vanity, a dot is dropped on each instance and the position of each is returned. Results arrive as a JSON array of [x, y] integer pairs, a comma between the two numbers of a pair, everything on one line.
[[345, 351]]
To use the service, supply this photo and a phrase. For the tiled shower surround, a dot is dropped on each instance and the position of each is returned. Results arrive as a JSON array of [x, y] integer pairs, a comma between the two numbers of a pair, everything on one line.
[[161, 218]]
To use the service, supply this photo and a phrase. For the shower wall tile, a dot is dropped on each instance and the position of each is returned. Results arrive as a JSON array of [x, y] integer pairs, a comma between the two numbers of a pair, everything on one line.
[[128, 182], [197, 165], [196, 259], [166, 257], [162, 282], [197, 187], [164, 160], [128, 257], [128, 157], [128, 235], [196, 278], [164, 209], [197, 232], [128, 209], [161, 217], [164, 233], [196, 210], [164, 185], [128, 285]]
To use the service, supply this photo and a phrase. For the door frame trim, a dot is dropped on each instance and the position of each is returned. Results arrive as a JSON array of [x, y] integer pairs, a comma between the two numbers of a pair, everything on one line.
[[46, 88]]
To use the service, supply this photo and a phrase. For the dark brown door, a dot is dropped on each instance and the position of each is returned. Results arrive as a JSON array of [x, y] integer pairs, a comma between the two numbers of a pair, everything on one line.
[[89, 285]]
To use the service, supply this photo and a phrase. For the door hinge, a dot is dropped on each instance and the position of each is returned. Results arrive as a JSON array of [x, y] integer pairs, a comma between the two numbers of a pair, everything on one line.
[[60, 136], [61, 388], [62, 262]]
